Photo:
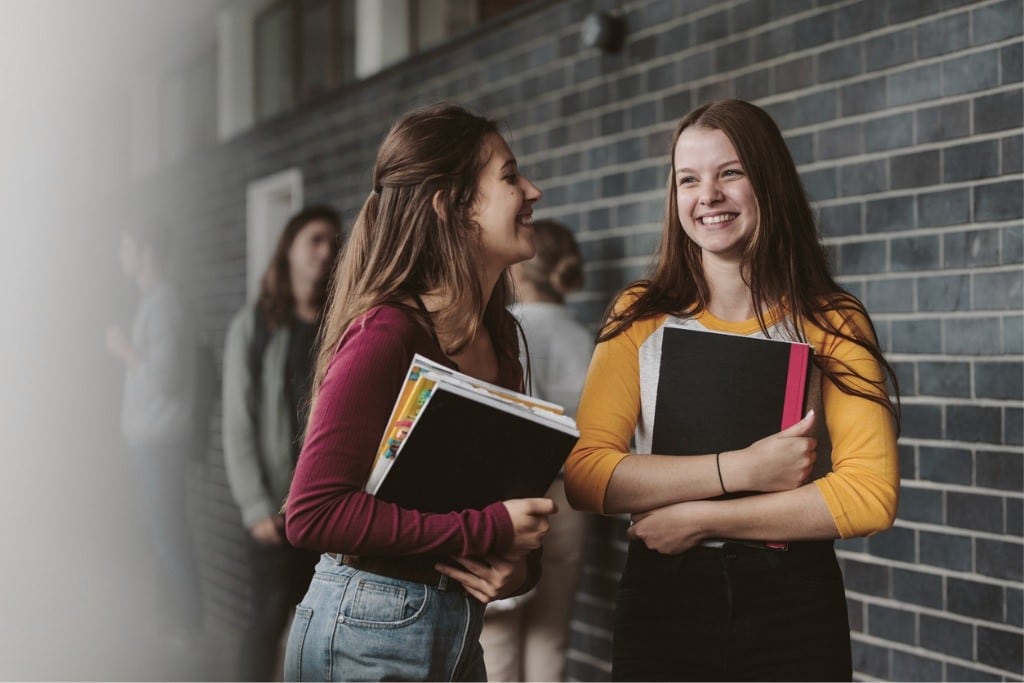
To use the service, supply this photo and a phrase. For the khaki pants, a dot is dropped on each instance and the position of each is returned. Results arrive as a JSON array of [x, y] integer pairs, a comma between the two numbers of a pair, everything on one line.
[[528, 642]]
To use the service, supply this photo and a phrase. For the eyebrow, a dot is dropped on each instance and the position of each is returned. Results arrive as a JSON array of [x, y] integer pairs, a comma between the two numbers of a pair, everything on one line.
[[510, 162], [728, 163]]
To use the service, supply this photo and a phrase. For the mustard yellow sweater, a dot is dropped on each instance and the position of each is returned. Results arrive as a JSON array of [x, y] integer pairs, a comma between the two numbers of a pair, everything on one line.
[[857, 470]]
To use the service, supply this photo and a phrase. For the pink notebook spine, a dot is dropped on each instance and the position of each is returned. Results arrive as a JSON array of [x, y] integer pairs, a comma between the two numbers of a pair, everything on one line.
[[796, 384]]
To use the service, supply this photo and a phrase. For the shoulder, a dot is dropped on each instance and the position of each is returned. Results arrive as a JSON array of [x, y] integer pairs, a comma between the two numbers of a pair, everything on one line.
[[243, 321], [384, 330]]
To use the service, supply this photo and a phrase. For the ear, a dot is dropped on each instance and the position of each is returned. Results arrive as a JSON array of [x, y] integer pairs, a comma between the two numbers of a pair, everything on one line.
[[438, 202]]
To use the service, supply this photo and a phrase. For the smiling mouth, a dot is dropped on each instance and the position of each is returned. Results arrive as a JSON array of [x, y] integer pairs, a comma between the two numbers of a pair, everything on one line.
[[525, 219], [718, 218]]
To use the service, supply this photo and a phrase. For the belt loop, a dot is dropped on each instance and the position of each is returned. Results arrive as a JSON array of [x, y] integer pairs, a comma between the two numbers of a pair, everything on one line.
[[443, 583]]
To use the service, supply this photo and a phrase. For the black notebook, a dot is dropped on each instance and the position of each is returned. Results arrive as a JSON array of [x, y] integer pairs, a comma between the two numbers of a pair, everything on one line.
[[457, 443], [722, 392]]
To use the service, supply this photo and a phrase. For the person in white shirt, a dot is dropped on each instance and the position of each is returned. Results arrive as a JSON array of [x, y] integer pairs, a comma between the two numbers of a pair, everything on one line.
[[525, 638]]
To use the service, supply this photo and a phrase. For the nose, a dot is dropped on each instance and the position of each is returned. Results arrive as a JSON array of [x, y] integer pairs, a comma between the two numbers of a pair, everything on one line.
[[531, 192], [710, 193]]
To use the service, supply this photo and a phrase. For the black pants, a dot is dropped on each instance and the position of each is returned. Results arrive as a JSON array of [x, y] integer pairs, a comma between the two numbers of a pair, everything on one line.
[[732, 613], [280, 576]]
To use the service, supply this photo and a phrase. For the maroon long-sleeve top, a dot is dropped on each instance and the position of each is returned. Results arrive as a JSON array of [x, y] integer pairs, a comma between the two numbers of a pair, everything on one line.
[[328, 510]]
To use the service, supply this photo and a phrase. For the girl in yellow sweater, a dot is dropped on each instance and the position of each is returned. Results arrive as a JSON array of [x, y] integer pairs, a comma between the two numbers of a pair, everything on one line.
[[702, 596]]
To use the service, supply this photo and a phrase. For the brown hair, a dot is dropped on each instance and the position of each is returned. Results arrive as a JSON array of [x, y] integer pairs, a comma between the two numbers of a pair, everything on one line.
[[401, 247], [276, 300], [557, 267], [784, 261]]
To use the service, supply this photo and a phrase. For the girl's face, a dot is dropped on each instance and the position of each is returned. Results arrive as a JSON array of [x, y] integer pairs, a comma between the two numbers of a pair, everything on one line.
[[503, 208], [714, 197], [312, 251]]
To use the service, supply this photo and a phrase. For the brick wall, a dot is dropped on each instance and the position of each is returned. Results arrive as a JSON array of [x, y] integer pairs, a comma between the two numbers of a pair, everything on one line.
[[905, 118]]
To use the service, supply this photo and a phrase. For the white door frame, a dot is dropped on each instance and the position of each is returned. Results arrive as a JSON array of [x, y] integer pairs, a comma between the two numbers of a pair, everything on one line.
[[270, 201]]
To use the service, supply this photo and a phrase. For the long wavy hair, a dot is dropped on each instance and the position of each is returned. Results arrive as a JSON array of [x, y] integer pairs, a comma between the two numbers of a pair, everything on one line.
[[401, 247], [784, 262], [276, 299]]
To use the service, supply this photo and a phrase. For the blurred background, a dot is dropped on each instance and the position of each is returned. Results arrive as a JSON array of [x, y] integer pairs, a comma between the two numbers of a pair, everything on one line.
[[220, 118]]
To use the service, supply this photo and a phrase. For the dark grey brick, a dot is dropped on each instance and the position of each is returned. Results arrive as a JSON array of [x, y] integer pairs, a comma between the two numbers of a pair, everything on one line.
[[868, 177], [794, 74], [676, 106], [944, 293], [863, 257], [946, 378], [999, 291], [945, 465], [944, 122], [1013, 154], [1000, 380], [905, 375], [890, 49], [1013, 244], [914, 253], [996, 22], [971, 249], [889, 132], [750, 14], [973, 599], [711, 27], [955, 672], [598, 219], [917, 336], [954, 638], [910, 667], [999, 201], [842, 219], [774, 42], [1011, 63], [948, 551], [907, 458], [915, 85], [1001, 649], [1015, 607], [860, 17], [918, 169], [999, 470], [1013, 426], [921, 421], [872, 660], [979, 512], [972, 336], [895, 544], [999, 559], [716, 90], [643, 114], [863, 96], [905, 10], [972, 161], [978, 71], [946, 207], [696, 66], [644, 179], [820, 184], [815, 30], [840, 62], [643, 49], [612, 122], [629, 150], [999, 111], [733, 56], [613, 185], [1013, 334], [673, 40], [855, 610], [940, 36], [841, 141], [892, 624], [662, 77], [917, 588], [801, 148], [628, 87], [921, 505], [754, 85], [814, 108], [870, 579], [974, 423]]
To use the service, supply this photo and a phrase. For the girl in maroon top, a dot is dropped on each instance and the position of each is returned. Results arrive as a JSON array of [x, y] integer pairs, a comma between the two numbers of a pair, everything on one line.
[[399, 594]]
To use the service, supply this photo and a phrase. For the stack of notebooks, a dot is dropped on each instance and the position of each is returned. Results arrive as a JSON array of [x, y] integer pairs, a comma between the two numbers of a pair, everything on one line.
[[454, 442]]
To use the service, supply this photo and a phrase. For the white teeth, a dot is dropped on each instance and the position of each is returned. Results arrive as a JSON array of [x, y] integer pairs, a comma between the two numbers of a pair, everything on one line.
[[526, 220], [720, 218]]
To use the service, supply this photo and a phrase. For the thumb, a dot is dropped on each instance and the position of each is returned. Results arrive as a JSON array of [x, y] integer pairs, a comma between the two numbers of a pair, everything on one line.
[[801, 428], [540, 506]]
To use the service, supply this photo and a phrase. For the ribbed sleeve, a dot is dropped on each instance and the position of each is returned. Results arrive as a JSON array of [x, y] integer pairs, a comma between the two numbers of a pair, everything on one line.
[[327, 507]]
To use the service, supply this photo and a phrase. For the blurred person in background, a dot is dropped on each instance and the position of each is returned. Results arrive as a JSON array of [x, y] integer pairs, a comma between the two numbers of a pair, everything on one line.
[[158, 421], [525, 637], [268, 364]]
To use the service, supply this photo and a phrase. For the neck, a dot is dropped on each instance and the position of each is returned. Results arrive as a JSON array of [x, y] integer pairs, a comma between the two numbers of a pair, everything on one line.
[[730, 295], [305, 306]]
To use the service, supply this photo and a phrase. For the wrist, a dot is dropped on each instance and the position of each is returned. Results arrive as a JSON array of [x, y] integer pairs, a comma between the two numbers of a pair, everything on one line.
[[732, 473]]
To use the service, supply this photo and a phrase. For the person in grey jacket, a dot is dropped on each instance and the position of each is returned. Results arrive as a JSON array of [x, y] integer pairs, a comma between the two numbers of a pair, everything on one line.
[[268, 358]]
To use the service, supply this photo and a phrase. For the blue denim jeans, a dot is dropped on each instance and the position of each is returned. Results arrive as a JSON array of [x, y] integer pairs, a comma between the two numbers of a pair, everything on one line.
[[357, 626]]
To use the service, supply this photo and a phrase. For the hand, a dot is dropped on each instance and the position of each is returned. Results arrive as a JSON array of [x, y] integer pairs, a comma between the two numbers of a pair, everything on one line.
[[670, 530], [778, 462], [489, 578], [530, 522], [269, 530]]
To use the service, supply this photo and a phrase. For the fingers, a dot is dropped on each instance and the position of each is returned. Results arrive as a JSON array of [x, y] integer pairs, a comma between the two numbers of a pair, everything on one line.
[[804, 426], [538, 506]]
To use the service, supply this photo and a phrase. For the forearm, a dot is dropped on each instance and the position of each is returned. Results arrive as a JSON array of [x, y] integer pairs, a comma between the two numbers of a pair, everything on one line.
[[645, 482], [796, 515]]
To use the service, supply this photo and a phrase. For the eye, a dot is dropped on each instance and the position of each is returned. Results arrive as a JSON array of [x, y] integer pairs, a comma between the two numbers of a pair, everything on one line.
[[735, 172], [512, 177], [686, 180]]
